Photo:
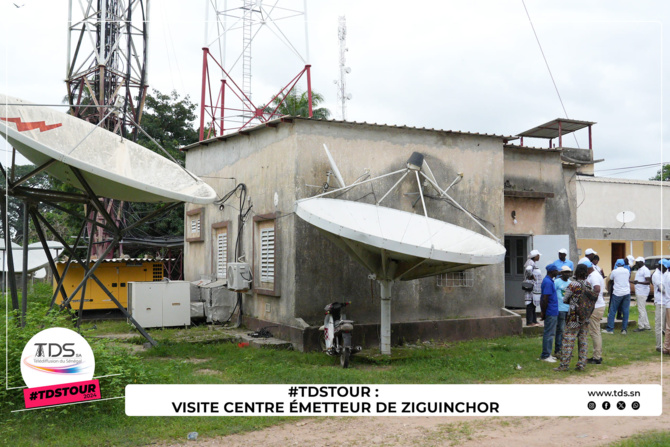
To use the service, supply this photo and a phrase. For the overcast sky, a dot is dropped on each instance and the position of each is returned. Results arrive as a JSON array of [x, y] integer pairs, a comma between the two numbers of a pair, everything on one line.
[[460, 65]]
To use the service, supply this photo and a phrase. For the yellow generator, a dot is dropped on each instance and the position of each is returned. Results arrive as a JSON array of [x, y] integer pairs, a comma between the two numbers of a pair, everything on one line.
[[114, 274]]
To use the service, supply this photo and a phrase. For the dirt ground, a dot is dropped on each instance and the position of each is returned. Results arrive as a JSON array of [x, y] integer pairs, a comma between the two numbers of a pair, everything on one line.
[[466, 431]]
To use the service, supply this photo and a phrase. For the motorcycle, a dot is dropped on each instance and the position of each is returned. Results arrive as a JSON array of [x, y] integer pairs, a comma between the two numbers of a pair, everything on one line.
[[336, 336]]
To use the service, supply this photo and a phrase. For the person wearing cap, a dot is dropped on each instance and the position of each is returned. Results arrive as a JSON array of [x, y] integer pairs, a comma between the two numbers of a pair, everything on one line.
[[532, 298], [666, 304], [620, 297], [561, 282], [581, 298], [659, 317], [642, 281], [563, 260], [588, 255], [549, 309], [596, 281]]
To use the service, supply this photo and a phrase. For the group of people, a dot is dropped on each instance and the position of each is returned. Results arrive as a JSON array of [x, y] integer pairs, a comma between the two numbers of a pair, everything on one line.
[[572, 303]]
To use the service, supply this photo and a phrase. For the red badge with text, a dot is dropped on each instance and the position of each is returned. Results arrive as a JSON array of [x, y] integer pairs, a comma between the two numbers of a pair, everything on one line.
[[58, 365]]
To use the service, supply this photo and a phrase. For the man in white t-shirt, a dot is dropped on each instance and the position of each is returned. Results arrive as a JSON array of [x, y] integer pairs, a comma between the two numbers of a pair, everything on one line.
[[642, 281], [620, 276], [666, 303], [657, 284], [598, 283]]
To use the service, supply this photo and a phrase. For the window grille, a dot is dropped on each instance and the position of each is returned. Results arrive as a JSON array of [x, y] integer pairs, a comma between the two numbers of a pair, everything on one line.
[[457, 279], [267, 253], [195, 225], [221, 254]]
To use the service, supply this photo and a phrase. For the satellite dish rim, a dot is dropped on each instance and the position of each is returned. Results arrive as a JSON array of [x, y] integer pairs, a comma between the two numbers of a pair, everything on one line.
[[377, 241], [39, 152]]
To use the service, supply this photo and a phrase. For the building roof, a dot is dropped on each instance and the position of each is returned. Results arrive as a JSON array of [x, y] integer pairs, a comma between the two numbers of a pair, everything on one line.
[[589, 178], [533, 148], [553, 128], [120, 260], [275, 122]]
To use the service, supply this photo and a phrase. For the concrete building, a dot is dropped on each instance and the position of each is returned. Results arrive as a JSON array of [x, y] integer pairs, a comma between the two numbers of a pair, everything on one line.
[[296, 271], [599, 202], [540, 208]]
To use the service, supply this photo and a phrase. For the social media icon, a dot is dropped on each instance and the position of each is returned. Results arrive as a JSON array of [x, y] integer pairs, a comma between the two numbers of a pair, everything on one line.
[[635, 405], [592, 405], [606, 405], [621, 405]]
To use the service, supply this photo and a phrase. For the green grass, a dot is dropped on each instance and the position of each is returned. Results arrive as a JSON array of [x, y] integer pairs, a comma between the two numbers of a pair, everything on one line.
[[179, 360], [650, 439]]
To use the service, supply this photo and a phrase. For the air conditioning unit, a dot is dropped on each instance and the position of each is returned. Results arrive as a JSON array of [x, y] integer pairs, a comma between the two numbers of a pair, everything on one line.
[[239, 276]]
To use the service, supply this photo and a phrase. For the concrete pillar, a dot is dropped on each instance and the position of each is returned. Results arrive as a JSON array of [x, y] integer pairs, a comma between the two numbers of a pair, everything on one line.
[[385, 342]]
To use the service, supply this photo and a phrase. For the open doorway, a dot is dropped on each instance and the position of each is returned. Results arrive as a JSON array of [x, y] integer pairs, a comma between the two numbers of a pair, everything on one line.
[[515, 257], [618, 252]]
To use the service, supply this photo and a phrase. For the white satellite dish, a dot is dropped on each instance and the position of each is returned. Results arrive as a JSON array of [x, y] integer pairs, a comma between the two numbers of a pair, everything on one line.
[[398, 245], [625, 217], [113, 166]]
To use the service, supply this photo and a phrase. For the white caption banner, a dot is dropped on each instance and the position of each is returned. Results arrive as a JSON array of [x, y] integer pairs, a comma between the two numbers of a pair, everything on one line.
[[393, 400]]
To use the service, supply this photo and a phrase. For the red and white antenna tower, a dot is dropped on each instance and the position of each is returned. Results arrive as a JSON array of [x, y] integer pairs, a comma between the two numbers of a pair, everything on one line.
[[106, 76], [226, 101]]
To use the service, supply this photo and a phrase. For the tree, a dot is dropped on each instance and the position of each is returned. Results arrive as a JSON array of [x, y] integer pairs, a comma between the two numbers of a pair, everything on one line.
[[168, 119], [296, 103], [15, 209], [663, 174]]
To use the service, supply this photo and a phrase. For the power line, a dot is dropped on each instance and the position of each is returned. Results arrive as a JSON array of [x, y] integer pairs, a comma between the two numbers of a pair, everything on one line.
[[633, 167], [549, 69]]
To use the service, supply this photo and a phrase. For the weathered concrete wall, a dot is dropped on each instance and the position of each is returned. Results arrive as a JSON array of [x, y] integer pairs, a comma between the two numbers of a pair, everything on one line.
[[310, 270], [538, 170], [264, 161], [324, 273]]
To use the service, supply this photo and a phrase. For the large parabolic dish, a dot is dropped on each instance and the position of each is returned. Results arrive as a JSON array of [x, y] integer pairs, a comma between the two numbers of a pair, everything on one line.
[[397, 245], [114, 167]]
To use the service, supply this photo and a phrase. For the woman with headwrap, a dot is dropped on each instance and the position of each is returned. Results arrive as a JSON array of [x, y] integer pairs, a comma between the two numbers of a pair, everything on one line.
[[532, 273], [582, 299]]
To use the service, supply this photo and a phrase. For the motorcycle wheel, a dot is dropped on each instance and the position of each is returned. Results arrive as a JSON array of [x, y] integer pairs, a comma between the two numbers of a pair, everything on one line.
[[322, 342], [344, 357], [346, 350]]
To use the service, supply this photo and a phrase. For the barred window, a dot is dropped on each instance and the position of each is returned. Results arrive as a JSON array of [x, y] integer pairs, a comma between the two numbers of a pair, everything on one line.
[[267, 252], [457, 279], [221, 253], [194, 222], [266, 267]]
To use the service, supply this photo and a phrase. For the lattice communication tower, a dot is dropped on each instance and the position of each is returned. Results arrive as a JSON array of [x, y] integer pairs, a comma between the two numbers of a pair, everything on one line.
[[226, 102]]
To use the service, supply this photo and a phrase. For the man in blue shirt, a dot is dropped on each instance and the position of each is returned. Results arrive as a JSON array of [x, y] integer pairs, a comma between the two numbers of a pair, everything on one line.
[[561, 283], [549, 307], [563, 260]]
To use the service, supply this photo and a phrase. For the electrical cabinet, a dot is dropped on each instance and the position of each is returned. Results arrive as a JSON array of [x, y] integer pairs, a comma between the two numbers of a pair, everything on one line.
[[160, 304], [115, 274]]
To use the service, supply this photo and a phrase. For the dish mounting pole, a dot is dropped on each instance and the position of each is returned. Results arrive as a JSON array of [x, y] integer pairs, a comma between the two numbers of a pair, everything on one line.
[[385, 341]]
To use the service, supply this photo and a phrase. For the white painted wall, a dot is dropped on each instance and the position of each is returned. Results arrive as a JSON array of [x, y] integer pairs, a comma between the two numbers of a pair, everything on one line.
[[600, 199]]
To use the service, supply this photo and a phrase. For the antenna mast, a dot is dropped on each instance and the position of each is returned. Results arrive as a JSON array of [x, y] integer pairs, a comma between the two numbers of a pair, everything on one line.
[[342, 95], [227, 105], [106, 72]]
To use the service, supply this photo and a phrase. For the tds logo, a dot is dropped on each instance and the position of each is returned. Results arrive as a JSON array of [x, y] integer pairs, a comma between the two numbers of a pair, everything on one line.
[[55, 350]]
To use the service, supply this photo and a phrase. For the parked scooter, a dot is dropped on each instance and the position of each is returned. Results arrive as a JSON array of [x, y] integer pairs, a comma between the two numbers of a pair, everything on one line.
[[336, 337]]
